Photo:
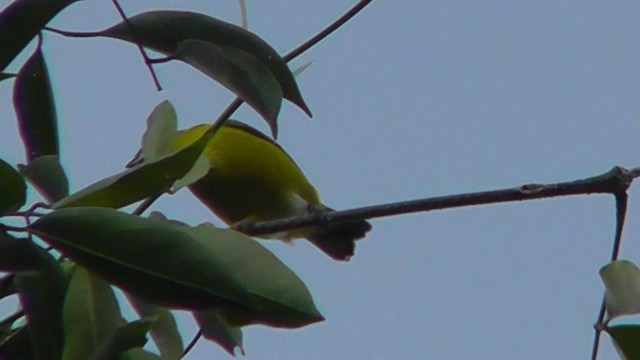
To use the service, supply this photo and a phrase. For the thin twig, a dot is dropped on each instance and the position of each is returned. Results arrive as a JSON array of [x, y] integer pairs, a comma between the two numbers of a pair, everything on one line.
[[621, 214], [147, 60], [11, 318], [327, 31], [612, 182], [192, 343]]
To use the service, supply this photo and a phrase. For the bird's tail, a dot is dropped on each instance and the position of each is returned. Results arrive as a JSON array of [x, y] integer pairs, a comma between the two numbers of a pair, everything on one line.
[[338, 240]]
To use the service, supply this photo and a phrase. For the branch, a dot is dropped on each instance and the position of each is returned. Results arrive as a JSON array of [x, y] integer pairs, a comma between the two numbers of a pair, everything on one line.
[[616, 182]]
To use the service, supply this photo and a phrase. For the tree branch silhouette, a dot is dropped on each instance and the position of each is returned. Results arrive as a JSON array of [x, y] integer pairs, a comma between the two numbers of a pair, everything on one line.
[[615, 181]]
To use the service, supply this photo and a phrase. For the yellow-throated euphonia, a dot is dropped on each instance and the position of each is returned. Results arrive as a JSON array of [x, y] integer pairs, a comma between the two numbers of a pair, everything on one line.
[[253, 179]]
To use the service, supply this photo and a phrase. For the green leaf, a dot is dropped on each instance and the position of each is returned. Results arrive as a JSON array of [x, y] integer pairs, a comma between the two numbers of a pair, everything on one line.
[[179, 266], [18, 255], [140, 182], [164, 30], [17, 346], [35, 108], [240, 72], [164, 332], [129, 336], [91, 314], [626, 339], [21, 21], [141, 354], [622, 282], [41, 295], [214, 327], [162, 128], [41, 284], [13, 190], [47, 176]]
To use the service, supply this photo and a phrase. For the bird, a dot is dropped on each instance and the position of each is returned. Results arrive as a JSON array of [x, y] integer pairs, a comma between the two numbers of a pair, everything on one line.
[[252, 179]]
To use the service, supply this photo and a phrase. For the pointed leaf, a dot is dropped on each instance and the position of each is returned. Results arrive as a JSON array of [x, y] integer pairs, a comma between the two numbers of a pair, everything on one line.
[[91, 314], [215, 328], [21, 21], [626, 339], [240, 72], [622, 280], [162, 127], [47, 176], [164, 332], [139, 182], [164, 30], [129, 336], [179, 266], [35, 108], [13, 190]]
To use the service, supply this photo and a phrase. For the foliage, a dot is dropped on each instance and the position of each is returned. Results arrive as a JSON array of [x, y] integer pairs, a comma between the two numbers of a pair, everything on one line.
[[227, 279]]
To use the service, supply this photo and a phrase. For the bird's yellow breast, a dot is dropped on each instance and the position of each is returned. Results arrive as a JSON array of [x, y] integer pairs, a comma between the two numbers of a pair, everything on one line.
[[251, 177]]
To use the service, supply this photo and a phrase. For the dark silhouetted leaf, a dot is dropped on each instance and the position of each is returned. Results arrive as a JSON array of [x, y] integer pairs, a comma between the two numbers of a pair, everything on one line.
[[22, 255], [164, 30], [164, 331], [197, 268], [21, 21], [139, 182], [13, 190], [215, 328], [41, 285], [35, 108], [17, 346], [129, 336], [91, 314], [626, 339], [141, 354], [47, 176], [240, 72]]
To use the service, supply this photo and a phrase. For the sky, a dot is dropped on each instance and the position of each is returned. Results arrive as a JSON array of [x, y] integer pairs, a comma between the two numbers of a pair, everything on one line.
[[411, 99]]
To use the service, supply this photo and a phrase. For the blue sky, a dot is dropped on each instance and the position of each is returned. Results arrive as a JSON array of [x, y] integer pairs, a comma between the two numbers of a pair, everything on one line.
[[411, 99]]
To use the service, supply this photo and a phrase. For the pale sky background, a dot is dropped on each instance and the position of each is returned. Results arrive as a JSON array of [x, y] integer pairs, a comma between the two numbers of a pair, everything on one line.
[[411, 99]]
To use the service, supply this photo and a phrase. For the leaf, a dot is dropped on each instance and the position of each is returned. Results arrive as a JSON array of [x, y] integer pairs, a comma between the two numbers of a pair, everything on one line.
[[22, 255], [240, 72], [17, 346], [47, 176], [162, 128], [41, 284], [13, 190], [139, 182], [626, 339], [129, 336], [164, 30], [622, 282], [91, 314], [41, 295], [164, 332], [21, 21], [199, 170], [215, 328], [35, 108], [141, 354], [179, 266]]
